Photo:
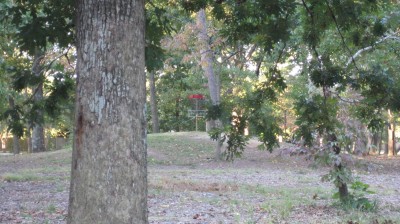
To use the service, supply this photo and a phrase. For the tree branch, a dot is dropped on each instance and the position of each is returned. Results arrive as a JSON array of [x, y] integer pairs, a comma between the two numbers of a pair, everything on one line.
[[47, 67], [340, 33], [359, 52]]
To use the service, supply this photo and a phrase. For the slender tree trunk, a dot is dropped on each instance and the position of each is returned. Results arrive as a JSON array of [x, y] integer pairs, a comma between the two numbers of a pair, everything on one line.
[[29, 128], [394, 137], [207, 66], [153, 103], [376, 142], [29, 139], [109, 168], [370, 149], [38, 144], [391, 135], [381, 145], [16, 146], [343, 189], [177, 115]]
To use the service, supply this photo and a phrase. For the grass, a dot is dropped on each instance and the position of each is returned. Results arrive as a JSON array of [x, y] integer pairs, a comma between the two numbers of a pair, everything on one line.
[[368, 218], [51, 209], [280, 201], [20, 177], [51, 173], [188, 185], [174, 150], [26, 176]]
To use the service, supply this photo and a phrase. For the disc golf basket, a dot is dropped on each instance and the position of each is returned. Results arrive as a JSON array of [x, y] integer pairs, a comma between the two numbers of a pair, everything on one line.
[[198, 107]]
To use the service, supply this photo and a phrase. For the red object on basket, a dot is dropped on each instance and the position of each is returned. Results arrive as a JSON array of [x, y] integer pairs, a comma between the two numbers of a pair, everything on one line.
[[196, 96]]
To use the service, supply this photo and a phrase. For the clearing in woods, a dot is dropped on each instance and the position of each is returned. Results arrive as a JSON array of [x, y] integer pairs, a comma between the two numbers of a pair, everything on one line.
[[187, 186]]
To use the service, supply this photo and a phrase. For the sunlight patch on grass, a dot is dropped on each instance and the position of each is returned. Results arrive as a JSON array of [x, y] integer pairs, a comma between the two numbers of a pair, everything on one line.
[[181, 148], [50, 173], [186, 185], [19, 177]]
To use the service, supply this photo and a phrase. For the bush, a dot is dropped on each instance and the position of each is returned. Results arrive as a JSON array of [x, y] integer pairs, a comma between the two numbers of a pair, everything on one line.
[[357, 199]]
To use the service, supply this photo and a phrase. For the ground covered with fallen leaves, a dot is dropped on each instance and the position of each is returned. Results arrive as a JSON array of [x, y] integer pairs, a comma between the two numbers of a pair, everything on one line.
[[186, 185]]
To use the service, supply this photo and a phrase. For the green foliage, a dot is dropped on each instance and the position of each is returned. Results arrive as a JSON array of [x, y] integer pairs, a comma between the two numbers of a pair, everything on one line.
[[173, 89], [264, 123], [351, 19], [156, 24], [255, 109], [59, 98], [194, 5], [259, 22], [162, 19], [14, 119], [325, 75], [32, 28], [342, 175], [237, 142], [380, 88], [39, 23], [338, 176], [350, 25], [234, 136], [214, 112], [316, 115], [23, 77]]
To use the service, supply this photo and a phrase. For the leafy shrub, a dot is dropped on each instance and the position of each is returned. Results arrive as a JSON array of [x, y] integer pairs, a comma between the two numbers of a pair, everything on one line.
[[357, 199]]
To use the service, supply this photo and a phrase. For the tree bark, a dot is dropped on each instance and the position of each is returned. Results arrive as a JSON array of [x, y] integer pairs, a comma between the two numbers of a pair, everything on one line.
[[177, 115], [207, 66], [109, 168], [391, 135], [376, 141], [16, 146], [153, 103], [38, 144], [394, 137], [343, 189], [29, 139]]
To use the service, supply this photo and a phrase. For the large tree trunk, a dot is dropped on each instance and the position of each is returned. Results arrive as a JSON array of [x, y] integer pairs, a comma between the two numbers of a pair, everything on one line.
[[38, 144], [153, 104], [109, 168], [207, 66], [16, 146]]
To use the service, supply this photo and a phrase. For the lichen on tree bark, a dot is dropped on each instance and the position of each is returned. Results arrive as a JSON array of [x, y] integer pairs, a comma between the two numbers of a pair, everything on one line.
[[109, 174]]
